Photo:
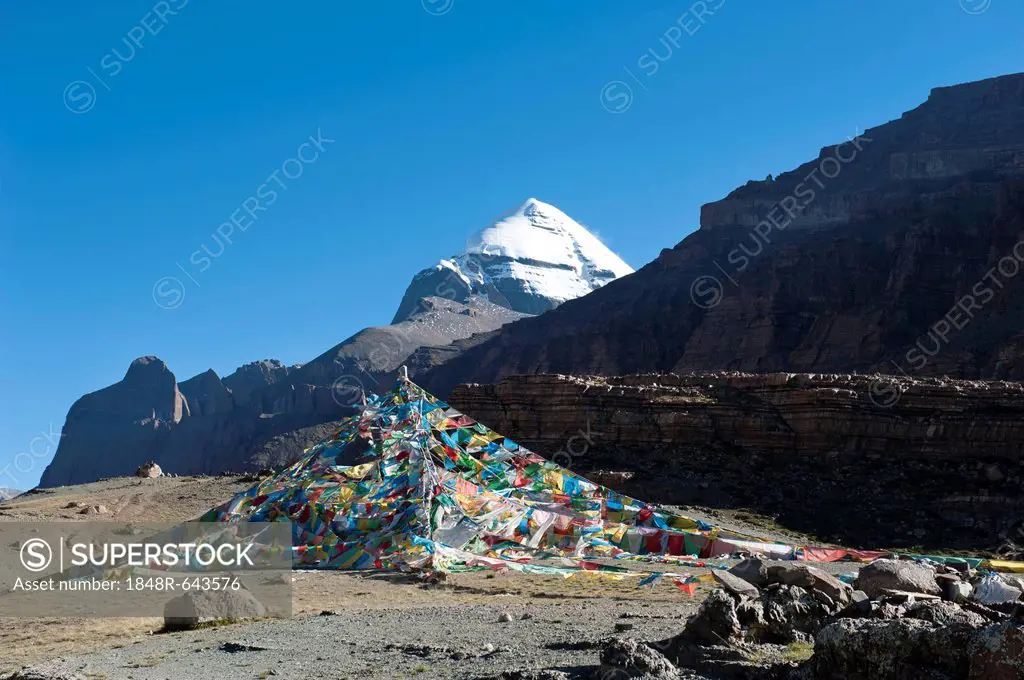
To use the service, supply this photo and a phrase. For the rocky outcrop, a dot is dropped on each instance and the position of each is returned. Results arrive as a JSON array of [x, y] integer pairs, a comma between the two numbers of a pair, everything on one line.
[[253, 378], [835, 455], [896, 251], [894, 636], [95, 441], [206, 395]]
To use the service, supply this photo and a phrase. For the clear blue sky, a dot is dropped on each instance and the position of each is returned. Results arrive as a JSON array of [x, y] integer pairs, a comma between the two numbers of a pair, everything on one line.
[[442, 121]]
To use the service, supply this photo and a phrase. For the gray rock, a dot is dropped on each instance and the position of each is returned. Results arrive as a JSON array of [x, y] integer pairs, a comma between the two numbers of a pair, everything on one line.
[[886, 574], [860, 604], [715, 623], [905, 596], [753, 570], [735, 585], [945, 614], [887, 611], [624, 658], [504, 617], [784, 614], [806, 576], [997, 652], [189, 610], [905, 649], [539, 675], [955, 590]]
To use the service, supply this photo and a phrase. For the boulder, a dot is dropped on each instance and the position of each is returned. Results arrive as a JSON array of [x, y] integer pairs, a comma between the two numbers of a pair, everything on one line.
[[149, 470], [998, 653], [753, 570], [735, 585], [860, 604], [624, 658], [94, 510], [195, 607], [945, 614], [806, 576], [784, 614], [715, 623], [888, 574], [902, 649], [955, 590]]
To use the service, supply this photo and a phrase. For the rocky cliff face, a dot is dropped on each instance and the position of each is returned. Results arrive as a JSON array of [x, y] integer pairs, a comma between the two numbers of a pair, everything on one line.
[[863, 461], [897, 251]]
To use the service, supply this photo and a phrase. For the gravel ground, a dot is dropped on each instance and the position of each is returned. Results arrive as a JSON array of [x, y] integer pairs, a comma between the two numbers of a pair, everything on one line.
[[386, 625], [420, 642]]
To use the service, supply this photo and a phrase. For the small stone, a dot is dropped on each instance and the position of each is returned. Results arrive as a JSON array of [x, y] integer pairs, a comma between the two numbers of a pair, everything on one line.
[[236, 647], [860, 603], [504, 617], [623, 627]]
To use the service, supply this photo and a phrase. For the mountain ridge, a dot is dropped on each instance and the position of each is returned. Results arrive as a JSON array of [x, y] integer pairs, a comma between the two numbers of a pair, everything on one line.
[[264, 413], [858, 278]]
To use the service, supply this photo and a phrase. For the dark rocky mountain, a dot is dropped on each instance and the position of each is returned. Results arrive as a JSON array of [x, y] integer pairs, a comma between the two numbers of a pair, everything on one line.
[[265, 413], [896, 251]]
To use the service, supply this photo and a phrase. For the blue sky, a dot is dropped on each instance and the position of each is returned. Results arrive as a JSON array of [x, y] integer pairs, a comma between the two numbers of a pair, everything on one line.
[[130, 134]]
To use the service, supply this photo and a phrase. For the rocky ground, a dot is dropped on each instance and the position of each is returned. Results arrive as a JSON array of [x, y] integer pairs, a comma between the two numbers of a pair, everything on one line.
[[763, 620], [565, 618]]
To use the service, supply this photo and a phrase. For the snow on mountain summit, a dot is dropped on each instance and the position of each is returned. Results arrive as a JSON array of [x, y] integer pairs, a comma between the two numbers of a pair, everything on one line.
[[531, 260]]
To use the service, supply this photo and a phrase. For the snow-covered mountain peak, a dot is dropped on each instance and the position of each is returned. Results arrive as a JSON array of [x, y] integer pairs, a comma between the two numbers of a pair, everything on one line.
[[531, 260]]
